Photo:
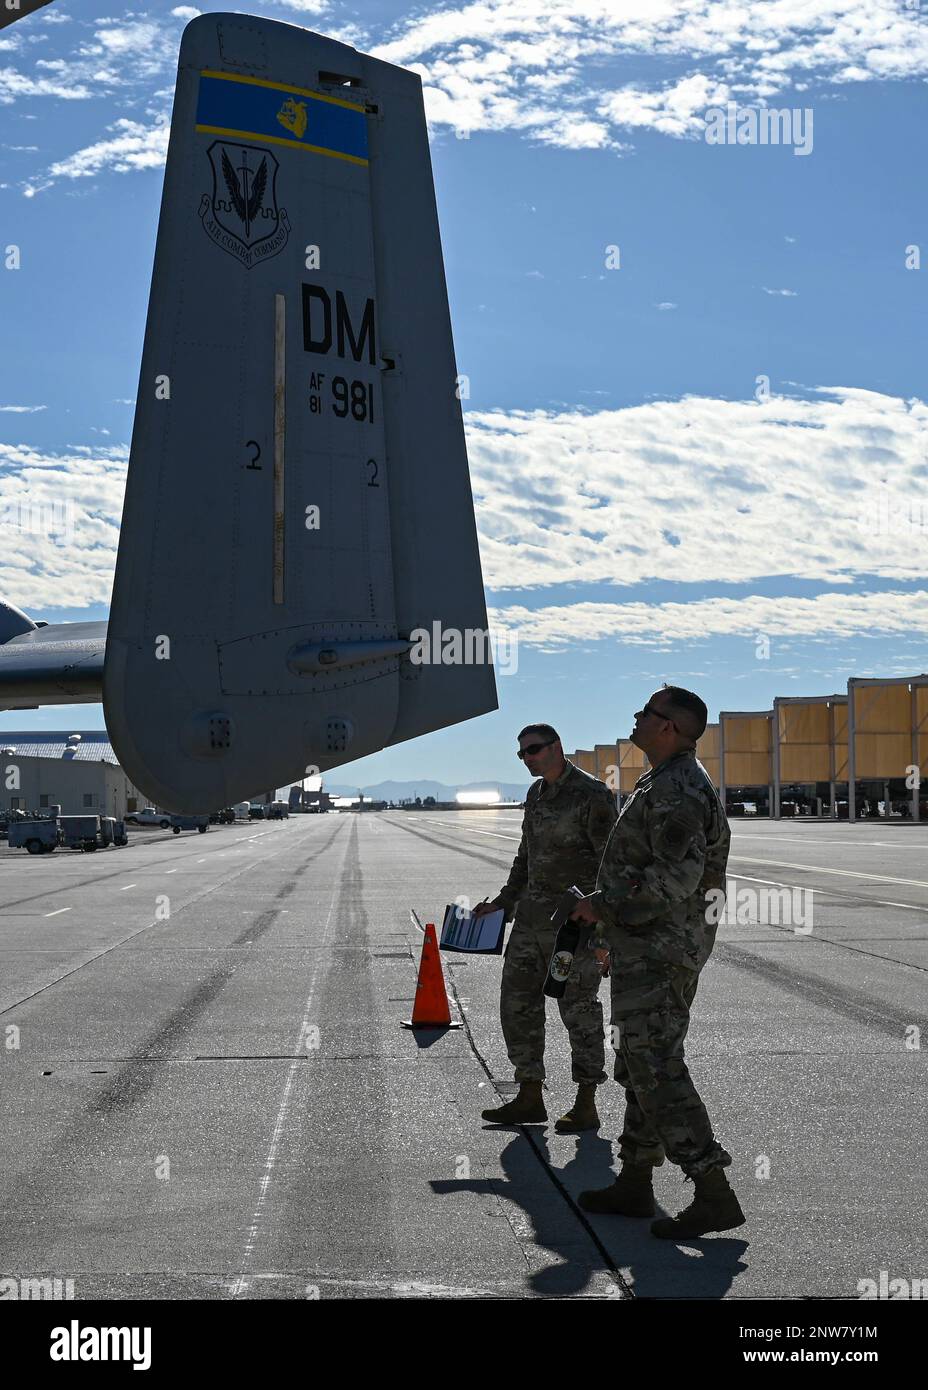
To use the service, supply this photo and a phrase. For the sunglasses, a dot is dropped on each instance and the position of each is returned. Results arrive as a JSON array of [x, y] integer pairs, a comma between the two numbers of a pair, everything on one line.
[[533, 748], [649, 709]]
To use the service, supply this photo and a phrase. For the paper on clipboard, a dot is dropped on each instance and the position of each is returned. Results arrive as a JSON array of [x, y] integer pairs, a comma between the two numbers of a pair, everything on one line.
[[462, 931]]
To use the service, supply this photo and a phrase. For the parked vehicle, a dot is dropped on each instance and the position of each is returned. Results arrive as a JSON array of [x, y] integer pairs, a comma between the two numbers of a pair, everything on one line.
[[278, 810], [241, 810], [257, 811], [81, 832], [149, 816], [180, 823], [37, 836], [113, 831]]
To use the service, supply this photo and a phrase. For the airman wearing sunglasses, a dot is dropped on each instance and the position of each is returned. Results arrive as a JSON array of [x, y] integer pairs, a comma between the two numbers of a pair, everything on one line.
[[568, 817], [669, 848]]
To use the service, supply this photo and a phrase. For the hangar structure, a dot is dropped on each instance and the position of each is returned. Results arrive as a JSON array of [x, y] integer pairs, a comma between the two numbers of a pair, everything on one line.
[[854, 755], [809, 754], [887, 724]]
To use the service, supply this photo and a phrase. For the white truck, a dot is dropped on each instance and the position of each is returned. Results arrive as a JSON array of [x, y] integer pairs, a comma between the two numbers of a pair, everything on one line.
[[149, 816]]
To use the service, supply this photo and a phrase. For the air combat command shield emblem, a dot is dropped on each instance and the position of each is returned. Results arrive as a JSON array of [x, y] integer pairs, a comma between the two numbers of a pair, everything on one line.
[[242, 215]]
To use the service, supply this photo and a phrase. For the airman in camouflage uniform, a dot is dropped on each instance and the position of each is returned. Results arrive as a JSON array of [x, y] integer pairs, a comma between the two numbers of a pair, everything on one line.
[[568, 818], [668, 850]]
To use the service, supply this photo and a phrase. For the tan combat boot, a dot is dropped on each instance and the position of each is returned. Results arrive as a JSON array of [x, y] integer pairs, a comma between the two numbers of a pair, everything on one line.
[[582, 1114], [630, 1195], [526, 1108], [714, 1208]]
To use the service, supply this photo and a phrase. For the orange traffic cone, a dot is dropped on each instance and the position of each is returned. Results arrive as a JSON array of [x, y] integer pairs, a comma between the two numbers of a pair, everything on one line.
[[430, 1009]]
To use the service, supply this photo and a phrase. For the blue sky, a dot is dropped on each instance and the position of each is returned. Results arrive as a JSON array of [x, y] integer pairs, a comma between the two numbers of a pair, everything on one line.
[[643, 516]]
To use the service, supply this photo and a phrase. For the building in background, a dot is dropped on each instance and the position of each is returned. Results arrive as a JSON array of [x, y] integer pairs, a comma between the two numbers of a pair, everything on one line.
[[863, 754], [887, 747], [43, 768], [810, 776]]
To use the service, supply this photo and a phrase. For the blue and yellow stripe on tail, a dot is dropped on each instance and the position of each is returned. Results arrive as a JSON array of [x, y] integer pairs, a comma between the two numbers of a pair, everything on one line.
[[253, 109]]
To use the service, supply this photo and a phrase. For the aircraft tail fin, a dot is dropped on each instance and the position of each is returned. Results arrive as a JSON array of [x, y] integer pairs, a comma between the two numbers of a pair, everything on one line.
[[298, 501]]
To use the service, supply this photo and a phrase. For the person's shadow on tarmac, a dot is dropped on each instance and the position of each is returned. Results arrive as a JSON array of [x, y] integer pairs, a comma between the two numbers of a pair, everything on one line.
[[653, 1268]]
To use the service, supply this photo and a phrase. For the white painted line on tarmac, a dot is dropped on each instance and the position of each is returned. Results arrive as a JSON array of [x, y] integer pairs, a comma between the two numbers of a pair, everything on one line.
[[128, 885], [469, 828], [751, 859], [241, 1283], [843, 873], [815, 842], [56, 912], [828, 893]]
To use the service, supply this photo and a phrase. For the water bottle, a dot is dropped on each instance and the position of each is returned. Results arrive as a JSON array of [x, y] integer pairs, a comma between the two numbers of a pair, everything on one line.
[[565, 943]]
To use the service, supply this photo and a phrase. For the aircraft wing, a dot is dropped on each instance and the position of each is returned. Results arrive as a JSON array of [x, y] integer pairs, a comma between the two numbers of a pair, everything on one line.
[[298, 502], [48, 663], [18, 9]]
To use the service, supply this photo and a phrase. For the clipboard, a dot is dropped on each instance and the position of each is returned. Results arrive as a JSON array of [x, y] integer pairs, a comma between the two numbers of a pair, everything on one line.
[[476, 936]]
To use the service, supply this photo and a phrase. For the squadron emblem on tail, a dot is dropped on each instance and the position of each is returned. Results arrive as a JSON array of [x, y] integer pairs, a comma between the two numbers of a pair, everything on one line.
[[242, 215]]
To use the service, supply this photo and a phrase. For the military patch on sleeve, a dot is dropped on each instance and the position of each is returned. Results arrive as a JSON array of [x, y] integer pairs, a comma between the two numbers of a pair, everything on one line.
[[602, 818], [676, 835]]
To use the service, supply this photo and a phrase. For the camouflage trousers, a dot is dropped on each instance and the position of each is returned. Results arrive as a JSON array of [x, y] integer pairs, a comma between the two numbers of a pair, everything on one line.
[[522, 1004], [664, 1115]]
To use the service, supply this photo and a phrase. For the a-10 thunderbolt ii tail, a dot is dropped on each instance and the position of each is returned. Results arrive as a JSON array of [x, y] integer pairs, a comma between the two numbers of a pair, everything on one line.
[[298, 502]]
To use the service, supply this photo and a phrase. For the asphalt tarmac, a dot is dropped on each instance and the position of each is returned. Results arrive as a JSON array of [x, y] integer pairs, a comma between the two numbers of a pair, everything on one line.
[[208, 1094]]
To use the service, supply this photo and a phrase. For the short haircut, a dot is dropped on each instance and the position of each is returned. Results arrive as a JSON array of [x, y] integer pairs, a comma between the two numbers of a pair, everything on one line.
[[689, 712], [544, 730]]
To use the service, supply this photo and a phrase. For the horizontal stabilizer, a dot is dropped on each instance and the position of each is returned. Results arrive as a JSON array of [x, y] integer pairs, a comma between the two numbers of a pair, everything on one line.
[[55, 664]]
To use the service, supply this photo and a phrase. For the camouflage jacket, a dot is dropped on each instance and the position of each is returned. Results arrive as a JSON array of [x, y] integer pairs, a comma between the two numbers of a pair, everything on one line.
[[669, 847], [564, 831]]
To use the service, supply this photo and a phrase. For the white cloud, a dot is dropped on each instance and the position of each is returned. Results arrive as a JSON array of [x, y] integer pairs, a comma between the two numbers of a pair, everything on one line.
[[698, 492], [121, 54], [826, 488], [134, 146], [135, 38], [665, 305], [485, 65], [678, 110], [23, 409], [185, 12], [304, 6], [15, 85], [59, 523], [822, 617], [791, 294]]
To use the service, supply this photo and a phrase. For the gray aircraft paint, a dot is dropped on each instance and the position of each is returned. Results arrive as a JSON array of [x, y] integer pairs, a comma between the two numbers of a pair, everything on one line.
[[48, 663], [214, 553]]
